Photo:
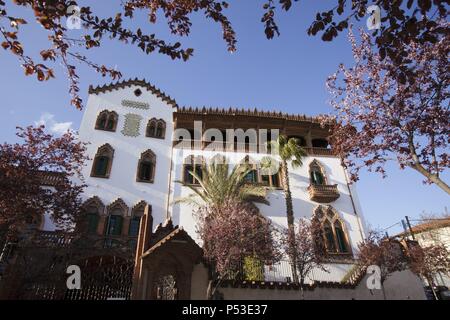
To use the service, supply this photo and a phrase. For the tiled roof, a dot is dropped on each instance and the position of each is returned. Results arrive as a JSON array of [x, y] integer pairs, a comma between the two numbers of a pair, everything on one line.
[[136, 82], [178, 231], [201, 110], [247, 112], [429, 225]]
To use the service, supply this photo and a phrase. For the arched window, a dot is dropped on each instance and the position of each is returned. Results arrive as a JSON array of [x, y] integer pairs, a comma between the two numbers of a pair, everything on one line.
[[146, 167], [101, 167], [107, 120], [329, 236], [160, 129], [156, 128], [252, 176], [193, 164], [136, 214], [340, 236], [336, 240], [270, 172], [114, 222], [151, 128], [93, 208], [317, 173]]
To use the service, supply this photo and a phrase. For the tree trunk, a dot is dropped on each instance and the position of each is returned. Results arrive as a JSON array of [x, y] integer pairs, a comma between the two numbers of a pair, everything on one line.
[[290, 217], [431, 284], [419, 168], [302, 282], [432, 177], [382, 290], [209, 290]]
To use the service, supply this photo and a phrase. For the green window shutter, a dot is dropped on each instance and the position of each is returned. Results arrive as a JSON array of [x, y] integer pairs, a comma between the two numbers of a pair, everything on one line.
[[340, 239], [92, 219], [134, 226], [101, 166], [114, 225]]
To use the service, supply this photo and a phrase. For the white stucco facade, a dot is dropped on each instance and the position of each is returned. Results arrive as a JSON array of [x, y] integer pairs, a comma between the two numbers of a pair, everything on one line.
[[162, 193]]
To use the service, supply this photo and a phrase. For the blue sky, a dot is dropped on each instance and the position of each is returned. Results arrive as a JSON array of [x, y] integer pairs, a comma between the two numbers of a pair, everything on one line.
[[287, 74]]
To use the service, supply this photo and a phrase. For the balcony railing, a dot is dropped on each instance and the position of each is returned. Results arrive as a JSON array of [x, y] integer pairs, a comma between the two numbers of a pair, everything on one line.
[[243, 147], [281, 272], [323, 193], [321, 152]]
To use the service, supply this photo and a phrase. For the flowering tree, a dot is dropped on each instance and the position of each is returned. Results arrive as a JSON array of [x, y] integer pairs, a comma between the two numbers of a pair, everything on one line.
[[401, 23], [306, 248], [427, 262], [382, 252], [231, 232], [378, 118], [23, 199]]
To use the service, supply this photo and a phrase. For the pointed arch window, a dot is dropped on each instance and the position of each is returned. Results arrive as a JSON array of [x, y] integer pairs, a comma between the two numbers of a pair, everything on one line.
[[101, 167], [317, 173], [252, 175], [116, 211], [270, 172], [156, 128], [193, 164], [146, 167], [107, 121], [93, 208], [333, 229], [136, 214]]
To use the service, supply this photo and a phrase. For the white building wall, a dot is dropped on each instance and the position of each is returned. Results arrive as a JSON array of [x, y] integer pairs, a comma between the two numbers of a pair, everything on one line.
[[127, 151], [299, 181], [169, 166]]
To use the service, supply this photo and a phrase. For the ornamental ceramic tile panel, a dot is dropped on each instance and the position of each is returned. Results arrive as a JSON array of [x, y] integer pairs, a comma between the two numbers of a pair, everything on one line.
[[135, 104], [132, 125]]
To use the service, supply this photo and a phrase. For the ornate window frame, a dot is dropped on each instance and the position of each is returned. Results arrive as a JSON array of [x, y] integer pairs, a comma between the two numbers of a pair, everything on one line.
[[267, 163], [146, 156], [109, 116], [316, 165], [153, 126], [92, 203], [111, 209], [196, 162], [329, 215], [103, 151]]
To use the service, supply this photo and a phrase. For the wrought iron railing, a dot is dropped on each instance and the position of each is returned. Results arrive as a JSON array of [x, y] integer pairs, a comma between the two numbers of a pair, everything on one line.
[[281, 272], [243, 147]]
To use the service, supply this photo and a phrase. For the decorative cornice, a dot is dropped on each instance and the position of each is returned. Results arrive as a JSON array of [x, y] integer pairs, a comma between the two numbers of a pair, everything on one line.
[[135, 104], [247, 112], [118, 203], [93, 201], [140, 206], [134, 82]]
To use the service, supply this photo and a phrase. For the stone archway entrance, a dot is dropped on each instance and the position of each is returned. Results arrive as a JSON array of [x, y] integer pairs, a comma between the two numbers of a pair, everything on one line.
[[167, 265]]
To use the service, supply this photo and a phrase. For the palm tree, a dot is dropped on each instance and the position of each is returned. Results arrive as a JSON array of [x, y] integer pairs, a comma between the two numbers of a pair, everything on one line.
[[288, 149], [217, 184]]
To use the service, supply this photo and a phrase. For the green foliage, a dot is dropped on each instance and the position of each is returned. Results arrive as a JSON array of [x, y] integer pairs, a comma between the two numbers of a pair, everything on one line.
[[217, 184], [253, 269], [289, 149]]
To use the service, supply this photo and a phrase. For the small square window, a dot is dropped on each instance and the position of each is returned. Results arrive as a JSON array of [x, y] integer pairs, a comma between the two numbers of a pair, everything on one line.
[[137, 92]]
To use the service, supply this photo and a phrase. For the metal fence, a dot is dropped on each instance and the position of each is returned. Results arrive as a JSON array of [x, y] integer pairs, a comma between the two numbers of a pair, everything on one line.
[[252, 270]]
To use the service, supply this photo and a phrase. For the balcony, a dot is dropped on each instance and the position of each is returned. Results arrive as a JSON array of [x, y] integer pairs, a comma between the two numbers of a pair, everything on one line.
[[320, 152], [243, 147], [323, 193]]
